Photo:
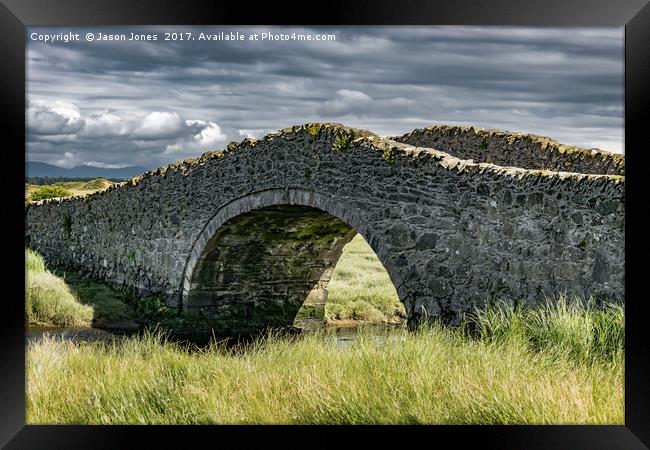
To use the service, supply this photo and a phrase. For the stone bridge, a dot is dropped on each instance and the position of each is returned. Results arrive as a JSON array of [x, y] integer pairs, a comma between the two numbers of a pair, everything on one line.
[[241, 238]]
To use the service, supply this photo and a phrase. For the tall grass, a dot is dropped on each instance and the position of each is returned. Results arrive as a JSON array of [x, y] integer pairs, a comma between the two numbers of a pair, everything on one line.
[[34, 262], [49, 300], [566, 328], [504, 374], [360, 288]]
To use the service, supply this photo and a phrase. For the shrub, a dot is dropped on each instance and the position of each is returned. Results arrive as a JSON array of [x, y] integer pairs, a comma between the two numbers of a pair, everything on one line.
[[342, 142], [389, 154], [45, 192], [313, 130]]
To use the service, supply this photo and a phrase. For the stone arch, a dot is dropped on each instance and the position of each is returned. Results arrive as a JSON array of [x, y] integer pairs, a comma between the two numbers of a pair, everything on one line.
[[452, 232], [240, 228]]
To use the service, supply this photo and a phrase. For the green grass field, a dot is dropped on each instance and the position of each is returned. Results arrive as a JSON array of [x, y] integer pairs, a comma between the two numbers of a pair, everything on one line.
[[568, 373], [360, 288]]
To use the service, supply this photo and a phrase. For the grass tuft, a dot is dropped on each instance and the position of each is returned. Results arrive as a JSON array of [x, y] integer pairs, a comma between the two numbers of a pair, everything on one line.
[[34, 262], [567, 328]]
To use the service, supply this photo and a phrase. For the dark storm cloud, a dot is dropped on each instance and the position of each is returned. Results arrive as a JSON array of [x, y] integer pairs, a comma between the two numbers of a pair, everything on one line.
[[151, 103]]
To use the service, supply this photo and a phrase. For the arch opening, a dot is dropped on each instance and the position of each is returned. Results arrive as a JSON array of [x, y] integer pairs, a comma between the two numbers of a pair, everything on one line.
[[267, 267]]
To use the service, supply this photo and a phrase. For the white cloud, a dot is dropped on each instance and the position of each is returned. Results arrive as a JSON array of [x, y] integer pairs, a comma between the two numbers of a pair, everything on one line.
[[105, 124], [199, 136], [68, 160], [255, 133], [95, 137], [54, 118], [346, 102], [105, 165], [207, 135], [159, 125]]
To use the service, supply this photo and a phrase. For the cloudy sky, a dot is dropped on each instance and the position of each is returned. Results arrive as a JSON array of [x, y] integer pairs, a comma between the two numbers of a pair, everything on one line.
[[122, 103]]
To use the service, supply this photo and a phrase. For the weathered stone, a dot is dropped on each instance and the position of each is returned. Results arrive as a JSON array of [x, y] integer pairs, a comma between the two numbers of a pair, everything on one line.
[[399, 236], [427, 241], [440, 287], [535, 198], [600, 273], [241, 238]]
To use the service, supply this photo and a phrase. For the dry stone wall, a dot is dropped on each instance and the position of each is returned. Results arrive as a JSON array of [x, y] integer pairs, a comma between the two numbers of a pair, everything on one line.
[[451, 233]]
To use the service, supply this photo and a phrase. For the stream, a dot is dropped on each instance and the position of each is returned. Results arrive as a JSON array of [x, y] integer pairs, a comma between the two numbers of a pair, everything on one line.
[[345, 334]]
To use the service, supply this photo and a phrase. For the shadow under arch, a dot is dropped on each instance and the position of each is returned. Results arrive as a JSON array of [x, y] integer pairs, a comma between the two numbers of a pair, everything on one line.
[[263, 256]]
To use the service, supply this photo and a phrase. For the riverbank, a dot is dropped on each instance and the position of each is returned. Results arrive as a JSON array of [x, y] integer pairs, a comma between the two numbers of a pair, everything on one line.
[[56, 299], [565, 367], [49, 301], [360, 292]]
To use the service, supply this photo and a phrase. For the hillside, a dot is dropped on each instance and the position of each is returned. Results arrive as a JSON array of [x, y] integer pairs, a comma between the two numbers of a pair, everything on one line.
[[74, 187], [41, 169]]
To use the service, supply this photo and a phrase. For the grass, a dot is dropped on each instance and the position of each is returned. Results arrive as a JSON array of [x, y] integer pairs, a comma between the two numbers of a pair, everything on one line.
[[109, 305], [360, 288], [560, 363], [55, 298], [49, 300], [584, 329], [501, 374]]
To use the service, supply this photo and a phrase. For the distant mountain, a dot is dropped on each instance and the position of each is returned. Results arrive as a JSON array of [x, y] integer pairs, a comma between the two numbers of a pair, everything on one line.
[[41, 169]]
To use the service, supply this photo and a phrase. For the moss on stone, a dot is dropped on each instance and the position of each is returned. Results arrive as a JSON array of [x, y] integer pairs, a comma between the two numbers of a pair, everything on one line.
[[311, 312]]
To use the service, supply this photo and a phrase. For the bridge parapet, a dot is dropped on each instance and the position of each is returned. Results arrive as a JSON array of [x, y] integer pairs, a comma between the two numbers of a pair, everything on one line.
[[526, 151]]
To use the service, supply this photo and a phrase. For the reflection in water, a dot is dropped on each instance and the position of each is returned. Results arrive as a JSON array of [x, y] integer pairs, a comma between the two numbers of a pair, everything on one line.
[[345, 335], [35, 334]]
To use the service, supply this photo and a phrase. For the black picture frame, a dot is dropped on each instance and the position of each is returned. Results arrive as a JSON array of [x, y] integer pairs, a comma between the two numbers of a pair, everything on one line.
[[633, 14]]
